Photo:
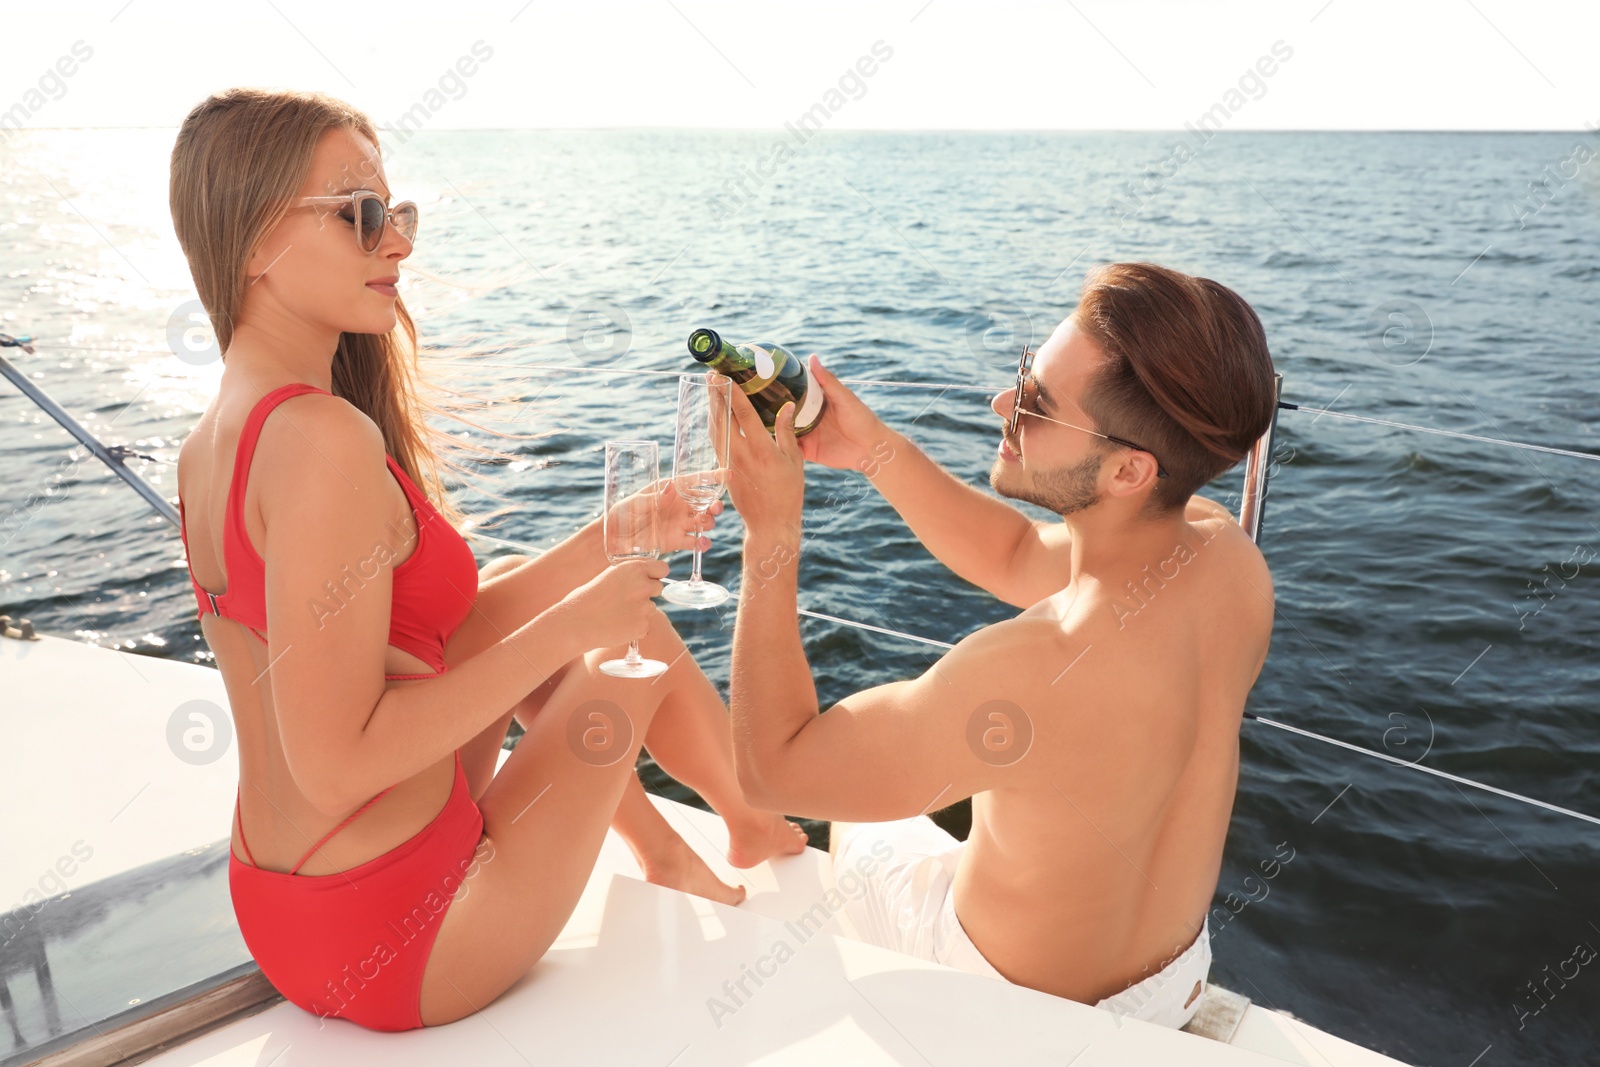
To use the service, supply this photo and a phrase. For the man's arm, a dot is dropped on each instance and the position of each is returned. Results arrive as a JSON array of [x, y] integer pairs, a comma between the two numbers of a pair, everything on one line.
[[986, 541], [894, 751], [978, 536], [890, 752]]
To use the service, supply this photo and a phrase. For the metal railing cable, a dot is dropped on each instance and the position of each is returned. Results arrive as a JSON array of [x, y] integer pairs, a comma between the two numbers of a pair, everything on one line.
[[1437, 430], [1250, 716], [952, 387], [959, 387], [112, 456]]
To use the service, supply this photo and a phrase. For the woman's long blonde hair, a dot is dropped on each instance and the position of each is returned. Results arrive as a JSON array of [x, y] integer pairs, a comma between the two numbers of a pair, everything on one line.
[[240, 158]]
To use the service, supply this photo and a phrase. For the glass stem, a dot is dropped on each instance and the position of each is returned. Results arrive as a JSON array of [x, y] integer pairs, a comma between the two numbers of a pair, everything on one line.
[[694, 578], [633, 658]]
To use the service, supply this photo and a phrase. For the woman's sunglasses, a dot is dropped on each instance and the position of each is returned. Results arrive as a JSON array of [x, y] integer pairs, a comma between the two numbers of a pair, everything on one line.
[[1023, 404], [368, 213]]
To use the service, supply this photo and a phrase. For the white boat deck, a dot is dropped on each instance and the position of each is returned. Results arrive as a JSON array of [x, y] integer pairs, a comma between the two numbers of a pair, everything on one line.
[[634, 978]]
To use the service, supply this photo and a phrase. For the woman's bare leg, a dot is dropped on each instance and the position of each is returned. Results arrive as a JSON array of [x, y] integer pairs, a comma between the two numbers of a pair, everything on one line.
[[664, 857], [691, 739], [547, 811], [696, 747], [545, 816]]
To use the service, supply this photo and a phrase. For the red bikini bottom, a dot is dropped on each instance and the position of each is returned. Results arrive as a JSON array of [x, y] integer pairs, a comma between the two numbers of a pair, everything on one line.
[[353, 944]]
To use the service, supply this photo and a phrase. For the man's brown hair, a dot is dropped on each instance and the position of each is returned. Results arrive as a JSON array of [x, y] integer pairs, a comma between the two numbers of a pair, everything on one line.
[[1186, 373]]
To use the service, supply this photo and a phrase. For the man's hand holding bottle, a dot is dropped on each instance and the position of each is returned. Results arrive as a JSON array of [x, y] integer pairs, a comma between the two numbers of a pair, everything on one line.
[[852, 437]]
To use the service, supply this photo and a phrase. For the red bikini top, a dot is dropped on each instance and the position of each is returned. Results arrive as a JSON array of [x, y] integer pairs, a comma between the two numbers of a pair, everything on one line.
[[433, 589]]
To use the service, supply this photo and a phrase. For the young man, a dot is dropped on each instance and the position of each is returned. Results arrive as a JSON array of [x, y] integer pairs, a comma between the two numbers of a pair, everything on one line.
[[1096, 732]]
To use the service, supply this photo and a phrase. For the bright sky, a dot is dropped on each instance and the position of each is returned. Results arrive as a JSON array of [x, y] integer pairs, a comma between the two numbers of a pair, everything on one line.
[[951, 64]]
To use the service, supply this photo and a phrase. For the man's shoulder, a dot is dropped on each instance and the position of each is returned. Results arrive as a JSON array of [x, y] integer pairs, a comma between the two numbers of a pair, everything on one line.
[[1239, 560], [1028, 651]]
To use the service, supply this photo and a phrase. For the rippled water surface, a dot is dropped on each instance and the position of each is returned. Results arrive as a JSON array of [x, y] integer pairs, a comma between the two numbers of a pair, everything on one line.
[[1436, 596]]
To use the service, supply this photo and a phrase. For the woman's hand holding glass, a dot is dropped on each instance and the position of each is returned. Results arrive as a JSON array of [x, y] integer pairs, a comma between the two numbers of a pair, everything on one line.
[[632, 529]]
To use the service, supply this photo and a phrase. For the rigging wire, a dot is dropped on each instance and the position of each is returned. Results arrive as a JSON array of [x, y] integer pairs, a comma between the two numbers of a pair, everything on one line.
[[23, 343], [958, 387]]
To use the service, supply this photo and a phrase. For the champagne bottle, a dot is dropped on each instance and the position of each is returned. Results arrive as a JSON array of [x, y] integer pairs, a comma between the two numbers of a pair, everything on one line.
[[770, 375]]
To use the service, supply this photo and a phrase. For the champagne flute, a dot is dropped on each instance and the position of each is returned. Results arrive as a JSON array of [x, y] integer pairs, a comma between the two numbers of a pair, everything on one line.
[[632, 469], [700, 471]]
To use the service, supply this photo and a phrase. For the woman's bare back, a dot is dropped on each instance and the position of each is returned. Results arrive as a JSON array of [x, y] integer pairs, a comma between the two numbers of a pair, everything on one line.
[[282, 822]]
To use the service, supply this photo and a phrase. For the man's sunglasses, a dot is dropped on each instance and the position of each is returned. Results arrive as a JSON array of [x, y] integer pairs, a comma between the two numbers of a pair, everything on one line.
[[1023, 404], [368, 213]]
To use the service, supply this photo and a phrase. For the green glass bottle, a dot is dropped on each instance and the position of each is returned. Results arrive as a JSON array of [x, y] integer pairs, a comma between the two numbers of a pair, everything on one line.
[[770, 375]]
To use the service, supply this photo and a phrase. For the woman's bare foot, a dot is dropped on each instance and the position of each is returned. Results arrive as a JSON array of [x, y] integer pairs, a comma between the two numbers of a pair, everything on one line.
[[758, 835], [678, 867]]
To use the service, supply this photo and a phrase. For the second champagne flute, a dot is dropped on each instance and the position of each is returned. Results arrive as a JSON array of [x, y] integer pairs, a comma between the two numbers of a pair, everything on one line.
[[632, 470], [700, 470]]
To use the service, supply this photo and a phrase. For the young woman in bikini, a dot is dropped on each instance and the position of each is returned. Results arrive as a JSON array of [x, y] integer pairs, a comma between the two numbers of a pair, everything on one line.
[[373, 670]]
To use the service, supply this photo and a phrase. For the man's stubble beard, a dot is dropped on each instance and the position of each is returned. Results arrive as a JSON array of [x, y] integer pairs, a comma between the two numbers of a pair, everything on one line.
[[1063, 490]]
